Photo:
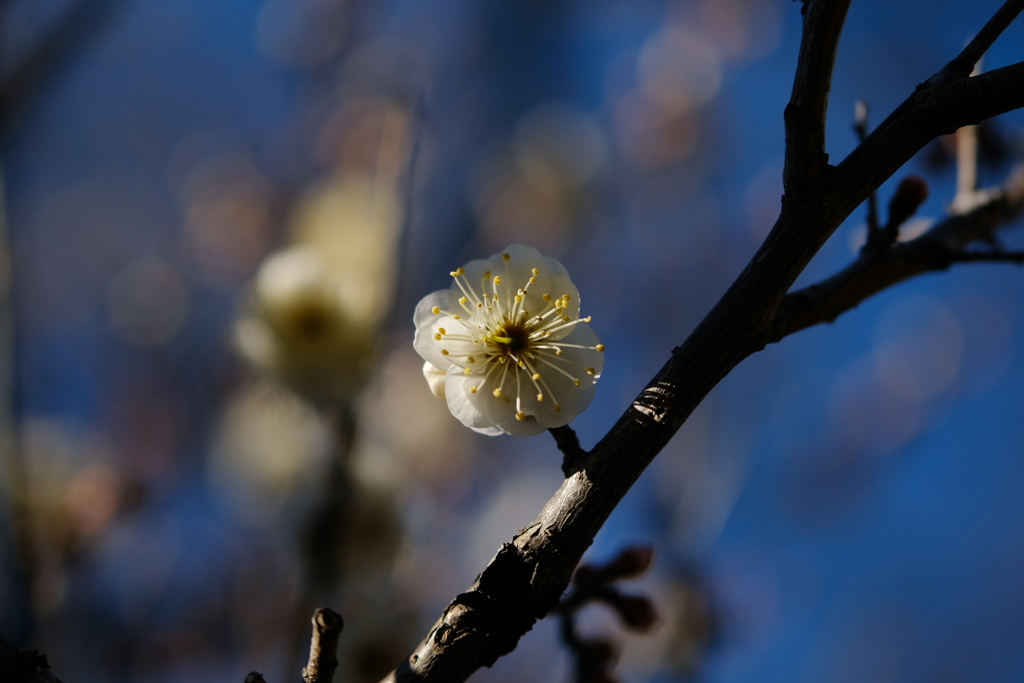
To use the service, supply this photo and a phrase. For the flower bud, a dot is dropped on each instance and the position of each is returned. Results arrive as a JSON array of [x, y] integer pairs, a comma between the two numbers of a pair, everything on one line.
[[910, 194], [637, 612]]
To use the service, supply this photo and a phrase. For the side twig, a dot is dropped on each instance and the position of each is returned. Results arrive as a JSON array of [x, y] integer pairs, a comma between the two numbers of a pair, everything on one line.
[[323, 647]]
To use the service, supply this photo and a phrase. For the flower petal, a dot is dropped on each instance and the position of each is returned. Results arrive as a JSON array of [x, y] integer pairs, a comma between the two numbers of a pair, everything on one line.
[[466, 406], [435, 377], [424, 318]]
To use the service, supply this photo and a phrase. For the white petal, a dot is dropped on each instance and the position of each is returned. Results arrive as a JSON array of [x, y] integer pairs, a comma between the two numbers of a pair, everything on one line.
[[527, 427], [424, 341], [466, 406], [435, 377]]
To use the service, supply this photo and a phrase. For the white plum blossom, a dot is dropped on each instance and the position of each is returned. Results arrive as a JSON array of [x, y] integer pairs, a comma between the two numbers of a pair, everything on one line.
[[300, 328], [506, 347]]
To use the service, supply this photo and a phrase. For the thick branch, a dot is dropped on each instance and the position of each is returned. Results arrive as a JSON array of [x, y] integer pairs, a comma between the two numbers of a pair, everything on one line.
[[525, 579], [808, 105]]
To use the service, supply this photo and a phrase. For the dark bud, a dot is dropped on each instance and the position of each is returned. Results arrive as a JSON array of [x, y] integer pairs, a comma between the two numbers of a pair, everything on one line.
[[588, 576], [631, 562], [638, 612], [910, 194], [598, 653]]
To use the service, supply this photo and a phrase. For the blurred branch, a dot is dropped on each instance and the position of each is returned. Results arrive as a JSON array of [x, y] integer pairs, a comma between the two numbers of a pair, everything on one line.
[[75, 27], [525, 579]]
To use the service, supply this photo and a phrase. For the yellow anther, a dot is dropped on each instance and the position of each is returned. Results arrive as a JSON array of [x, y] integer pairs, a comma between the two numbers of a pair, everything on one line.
[[535, 271], [536, 376], [497, 393], [520, 416], [587, 319], [565, 318], [470, 359], [454, 273], [497, 279], [472, 390], [468, 371], [457, 317], [558, 352], [558, 408], [519, 298], [540, 397], [547, 297], [437, 337], [463, 300], [506, 257], [591, 371], [575, 381], [487, 275], [442, 330], [599, 347], [460, 271], [566, 297], [436, 310], [533, 280], [444, 352]]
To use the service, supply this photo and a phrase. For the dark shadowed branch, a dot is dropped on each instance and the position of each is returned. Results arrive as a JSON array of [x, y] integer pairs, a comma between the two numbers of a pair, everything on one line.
[[965, 62], [528, 575], [808, 105]]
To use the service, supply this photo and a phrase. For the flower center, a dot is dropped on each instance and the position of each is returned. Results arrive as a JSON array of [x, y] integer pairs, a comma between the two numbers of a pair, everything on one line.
[[511, 338]]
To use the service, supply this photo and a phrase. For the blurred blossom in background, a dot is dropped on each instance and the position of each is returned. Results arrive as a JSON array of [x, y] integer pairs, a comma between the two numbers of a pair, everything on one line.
[[219, 217]]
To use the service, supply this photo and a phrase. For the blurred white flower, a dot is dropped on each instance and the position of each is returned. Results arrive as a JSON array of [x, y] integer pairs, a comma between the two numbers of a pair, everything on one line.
[[301, 331], [508, 342]]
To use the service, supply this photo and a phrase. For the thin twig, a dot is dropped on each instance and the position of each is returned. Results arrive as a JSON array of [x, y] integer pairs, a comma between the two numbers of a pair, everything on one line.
[[323, 646], [966, 165], [808, 104], [569, 444], [965, 62], [860, 127], [945, 244]]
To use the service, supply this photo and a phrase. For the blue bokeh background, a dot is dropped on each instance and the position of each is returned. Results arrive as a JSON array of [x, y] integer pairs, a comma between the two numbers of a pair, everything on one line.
[[848, 501]]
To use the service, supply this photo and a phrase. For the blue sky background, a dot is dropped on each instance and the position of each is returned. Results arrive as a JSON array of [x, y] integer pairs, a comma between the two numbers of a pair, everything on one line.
[[850, 498]]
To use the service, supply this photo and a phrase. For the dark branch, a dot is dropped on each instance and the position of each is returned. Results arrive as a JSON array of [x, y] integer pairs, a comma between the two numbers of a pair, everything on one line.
[[569, 444], [964, 62], [808, 104]]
